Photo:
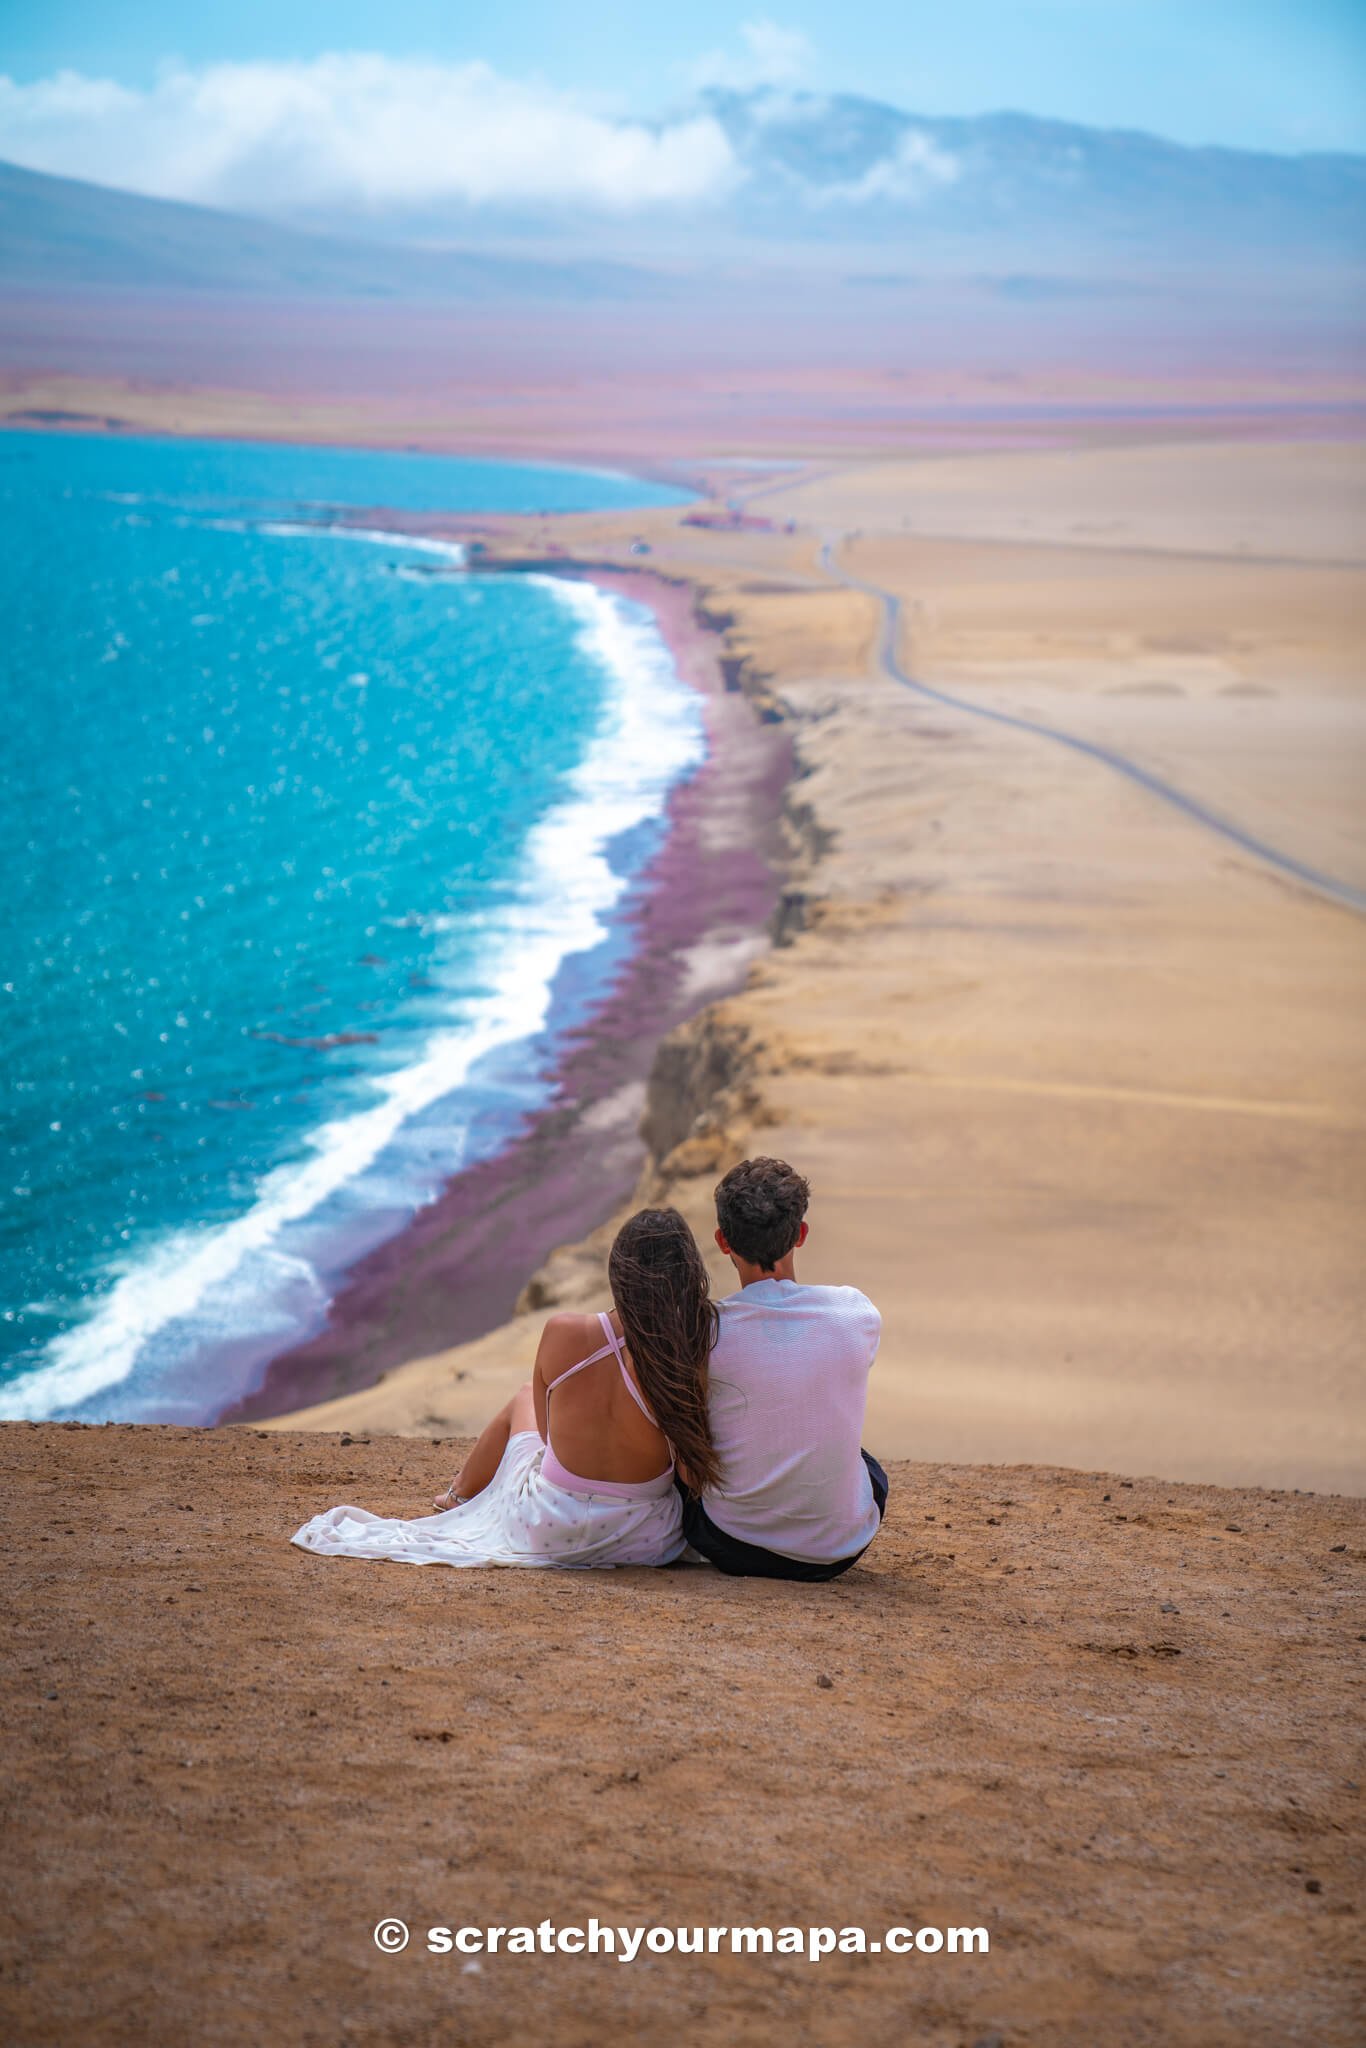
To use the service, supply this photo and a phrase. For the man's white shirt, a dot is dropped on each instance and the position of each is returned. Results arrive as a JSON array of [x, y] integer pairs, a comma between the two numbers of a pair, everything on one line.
[[788, 1386]]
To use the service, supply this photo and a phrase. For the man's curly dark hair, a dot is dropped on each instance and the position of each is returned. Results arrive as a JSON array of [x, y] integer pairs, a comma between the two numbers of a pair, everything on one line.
[[760, 1205]]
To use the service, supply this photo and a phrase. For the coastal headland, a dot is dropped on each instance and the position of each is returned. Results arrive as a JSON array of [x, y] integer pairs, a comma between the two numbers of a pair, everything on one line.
[[1052, 982], [1061, 1013], [395, 939]]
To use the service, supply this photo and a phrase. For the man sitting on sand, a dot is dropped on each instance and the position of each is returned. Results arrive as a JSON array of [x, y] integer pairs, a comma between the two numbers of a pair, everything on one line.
[[787, 1386]]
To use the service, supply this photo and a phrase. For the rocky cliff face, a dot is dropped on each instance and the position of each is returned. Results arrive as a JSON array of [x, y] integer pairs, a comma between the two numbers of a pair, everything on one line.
[[703, 1100], [700, 1080]]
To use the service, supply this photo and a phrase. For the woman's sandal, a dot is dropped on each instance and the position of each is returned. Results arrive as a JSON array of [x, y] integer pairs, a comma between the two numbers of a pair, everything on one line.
[[450, 1498]]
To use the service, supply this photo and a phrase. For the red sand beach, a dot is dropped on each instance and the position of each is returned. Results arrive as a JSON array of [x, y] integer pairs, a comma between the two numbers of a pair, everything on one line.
[[695, 922]]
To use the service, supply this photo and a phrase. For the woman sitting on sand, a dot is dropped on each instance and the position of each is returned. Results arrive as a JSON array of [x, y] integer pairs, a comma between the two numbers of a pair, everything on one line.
[[629, 1406]]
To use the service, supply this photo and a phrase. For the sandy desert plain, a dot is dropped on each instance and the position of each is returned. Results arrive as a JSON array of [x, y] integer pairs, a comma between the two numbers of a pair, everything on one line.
[[1079, 1081]]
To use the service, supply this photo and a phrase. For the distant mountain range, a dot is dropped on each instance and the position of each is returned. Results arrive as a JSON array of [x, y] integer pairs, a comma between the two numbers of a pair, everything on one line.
[[830, 166], [850, 187], [849, 184], [59, 234]]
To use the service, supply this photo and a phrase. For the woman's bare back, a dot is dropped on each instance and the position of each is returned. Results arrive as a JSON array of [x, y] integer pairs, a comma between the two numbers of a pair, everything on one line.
[[594, 1422]]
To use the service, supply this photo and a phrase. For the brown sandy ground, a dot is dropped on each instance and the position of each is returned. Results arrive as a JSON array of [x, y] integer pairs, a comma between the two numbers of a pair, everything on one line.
[[1116, 1724], [1081, 1087]]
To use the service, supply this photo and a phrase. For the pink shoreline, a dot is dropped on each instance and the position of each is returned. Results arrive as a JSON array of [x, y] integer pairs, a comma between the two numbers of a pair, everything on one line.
[[456, 1269]]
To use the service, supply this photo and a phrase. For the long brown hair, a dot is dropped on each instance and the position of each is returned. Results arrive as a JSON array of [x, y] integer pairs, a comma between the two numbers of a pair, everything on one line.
[[669, 1321]]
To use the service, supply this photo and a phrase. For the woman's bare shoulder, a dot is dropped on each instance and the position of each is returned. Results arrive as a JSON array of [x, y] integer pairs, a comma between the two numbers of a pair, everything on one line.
[[569, 1335]]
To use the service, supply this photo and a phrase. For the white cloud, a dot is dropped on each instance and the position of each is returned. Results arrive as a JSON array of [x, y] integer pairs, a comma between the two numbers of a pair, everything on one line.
[[365, 131], [916, 167], [770, 56]]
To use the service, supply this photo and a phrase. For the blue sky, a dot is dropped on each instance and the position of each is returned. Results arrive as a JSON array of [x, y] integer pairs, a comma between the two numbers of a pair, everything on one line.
[[1261, 74]]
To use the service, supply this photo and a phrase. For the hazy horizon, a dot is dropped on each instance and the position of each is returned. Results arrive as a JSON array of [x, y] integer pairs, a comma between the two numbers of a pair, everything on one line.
[[730, 191]]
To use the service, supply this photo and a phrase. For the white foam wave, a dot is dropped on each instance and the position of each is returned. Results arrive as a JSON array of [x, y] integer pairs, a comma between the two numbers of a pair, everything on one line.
[[650, 733], [421, 544]]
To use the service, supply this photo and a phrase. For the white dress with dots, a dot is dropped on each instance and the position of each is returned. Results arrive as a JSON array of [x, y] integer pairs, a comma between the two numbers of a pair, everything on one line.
[[532, 1512]]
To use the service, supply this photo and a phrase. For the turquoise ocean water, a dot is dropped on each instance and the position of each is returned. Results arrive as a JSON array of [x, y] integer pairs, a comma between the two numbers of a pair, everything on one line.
[[298, 825]]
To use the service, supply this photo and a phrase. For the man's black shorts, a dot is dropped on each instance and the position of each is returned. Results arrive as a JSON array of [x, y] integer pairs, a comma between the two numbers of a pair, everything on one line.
[[750, 1560]]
